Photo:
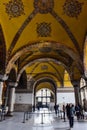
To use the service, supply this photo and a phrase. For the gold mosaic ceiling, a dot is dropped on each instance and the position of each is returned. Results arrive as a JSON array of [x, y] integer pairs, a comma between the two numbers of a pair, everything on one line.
[[53, 30]]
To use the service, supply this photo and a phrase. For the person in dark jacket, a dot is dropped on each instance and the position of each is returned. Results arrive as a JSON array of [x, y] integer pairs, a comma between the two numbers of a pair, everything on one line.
[[71, 115], [67, 110]]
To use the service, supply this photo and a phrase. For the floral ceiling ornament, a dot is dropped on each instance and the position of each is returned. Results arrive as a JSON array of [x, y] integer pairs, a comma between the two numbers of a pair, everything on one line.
[[44, 29], [44, 6], [14, 8], [72, 8]]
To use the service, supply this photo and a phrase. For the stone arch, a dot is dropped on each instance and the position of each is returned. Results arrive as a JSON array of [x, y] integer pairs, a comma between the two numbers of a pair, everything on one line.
[[45, 79], [52, 44], [85, 57], [39, 60]]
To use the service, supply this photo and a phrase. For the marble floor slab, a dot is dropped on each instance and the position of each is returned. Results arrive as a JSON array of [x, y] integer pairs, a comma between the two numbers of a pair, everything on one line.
[[34, 122]]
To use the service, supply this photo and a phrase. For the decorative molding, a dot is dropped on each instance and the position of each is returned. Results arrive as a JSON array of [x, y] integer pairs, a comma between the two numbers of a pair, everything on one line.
[[14, 8], [65, 90], [72, 8]]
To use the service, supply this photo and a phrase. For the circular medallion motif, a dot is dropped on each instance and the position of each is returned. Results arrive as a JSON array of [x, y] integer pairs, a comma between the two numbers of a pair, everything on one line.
[[72, 8], [14, 8], [44, 6], [44, 29]]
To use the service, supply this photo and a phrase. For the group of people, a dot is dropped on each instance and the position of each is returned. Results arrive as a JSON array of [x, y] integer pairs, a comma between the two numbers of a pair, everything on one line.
[[70, 111]]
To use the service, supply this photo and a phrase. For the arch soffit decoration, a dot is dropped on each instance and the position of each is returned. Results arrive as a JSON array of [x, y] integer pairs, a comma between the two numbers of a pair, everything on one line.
[[39, 60], [69, 70], [46, 79], [49, 75], [28, 47], [45, 61]]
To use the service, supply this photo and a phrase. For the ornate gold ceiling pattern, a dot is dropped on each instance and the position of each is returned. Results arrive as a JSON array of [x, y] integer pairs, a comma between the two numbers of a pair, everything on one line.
[[72, 8], [43, 29], [39, 23], [46, 4], [14, 8], [67, 29]]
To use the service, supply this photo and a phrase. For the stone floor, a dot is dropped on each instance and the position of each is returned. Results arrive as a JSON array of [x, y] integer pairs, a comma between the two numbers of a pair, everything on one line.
[[39, 121]]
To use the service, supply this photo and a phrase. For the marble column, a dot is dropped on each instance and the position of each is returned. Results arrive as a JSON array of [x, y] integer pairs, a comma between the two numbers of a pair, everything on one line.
[[55, 96], [11, 98], [76, 85], [3, 78], [1, 89], [11, 102]]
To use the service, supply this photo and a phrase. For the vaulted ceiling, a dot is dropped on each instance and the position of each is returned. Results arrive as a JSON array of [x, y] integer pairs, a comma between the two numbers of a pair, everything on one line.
[[43, 37]]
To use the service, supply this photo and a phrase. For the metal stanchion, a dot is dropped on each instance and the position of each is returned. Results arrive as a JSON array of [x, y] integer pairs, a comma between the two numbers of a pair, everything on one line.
[[24, 117], [61, 114], [44, 113], [29, 116], [64, 116], [42, 118]]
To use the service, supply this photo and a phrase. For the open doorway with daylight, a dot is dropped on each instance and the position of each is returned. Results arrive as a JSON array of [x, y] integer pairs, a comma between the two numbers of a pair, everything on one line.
[[44, 98], [45, 94]]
